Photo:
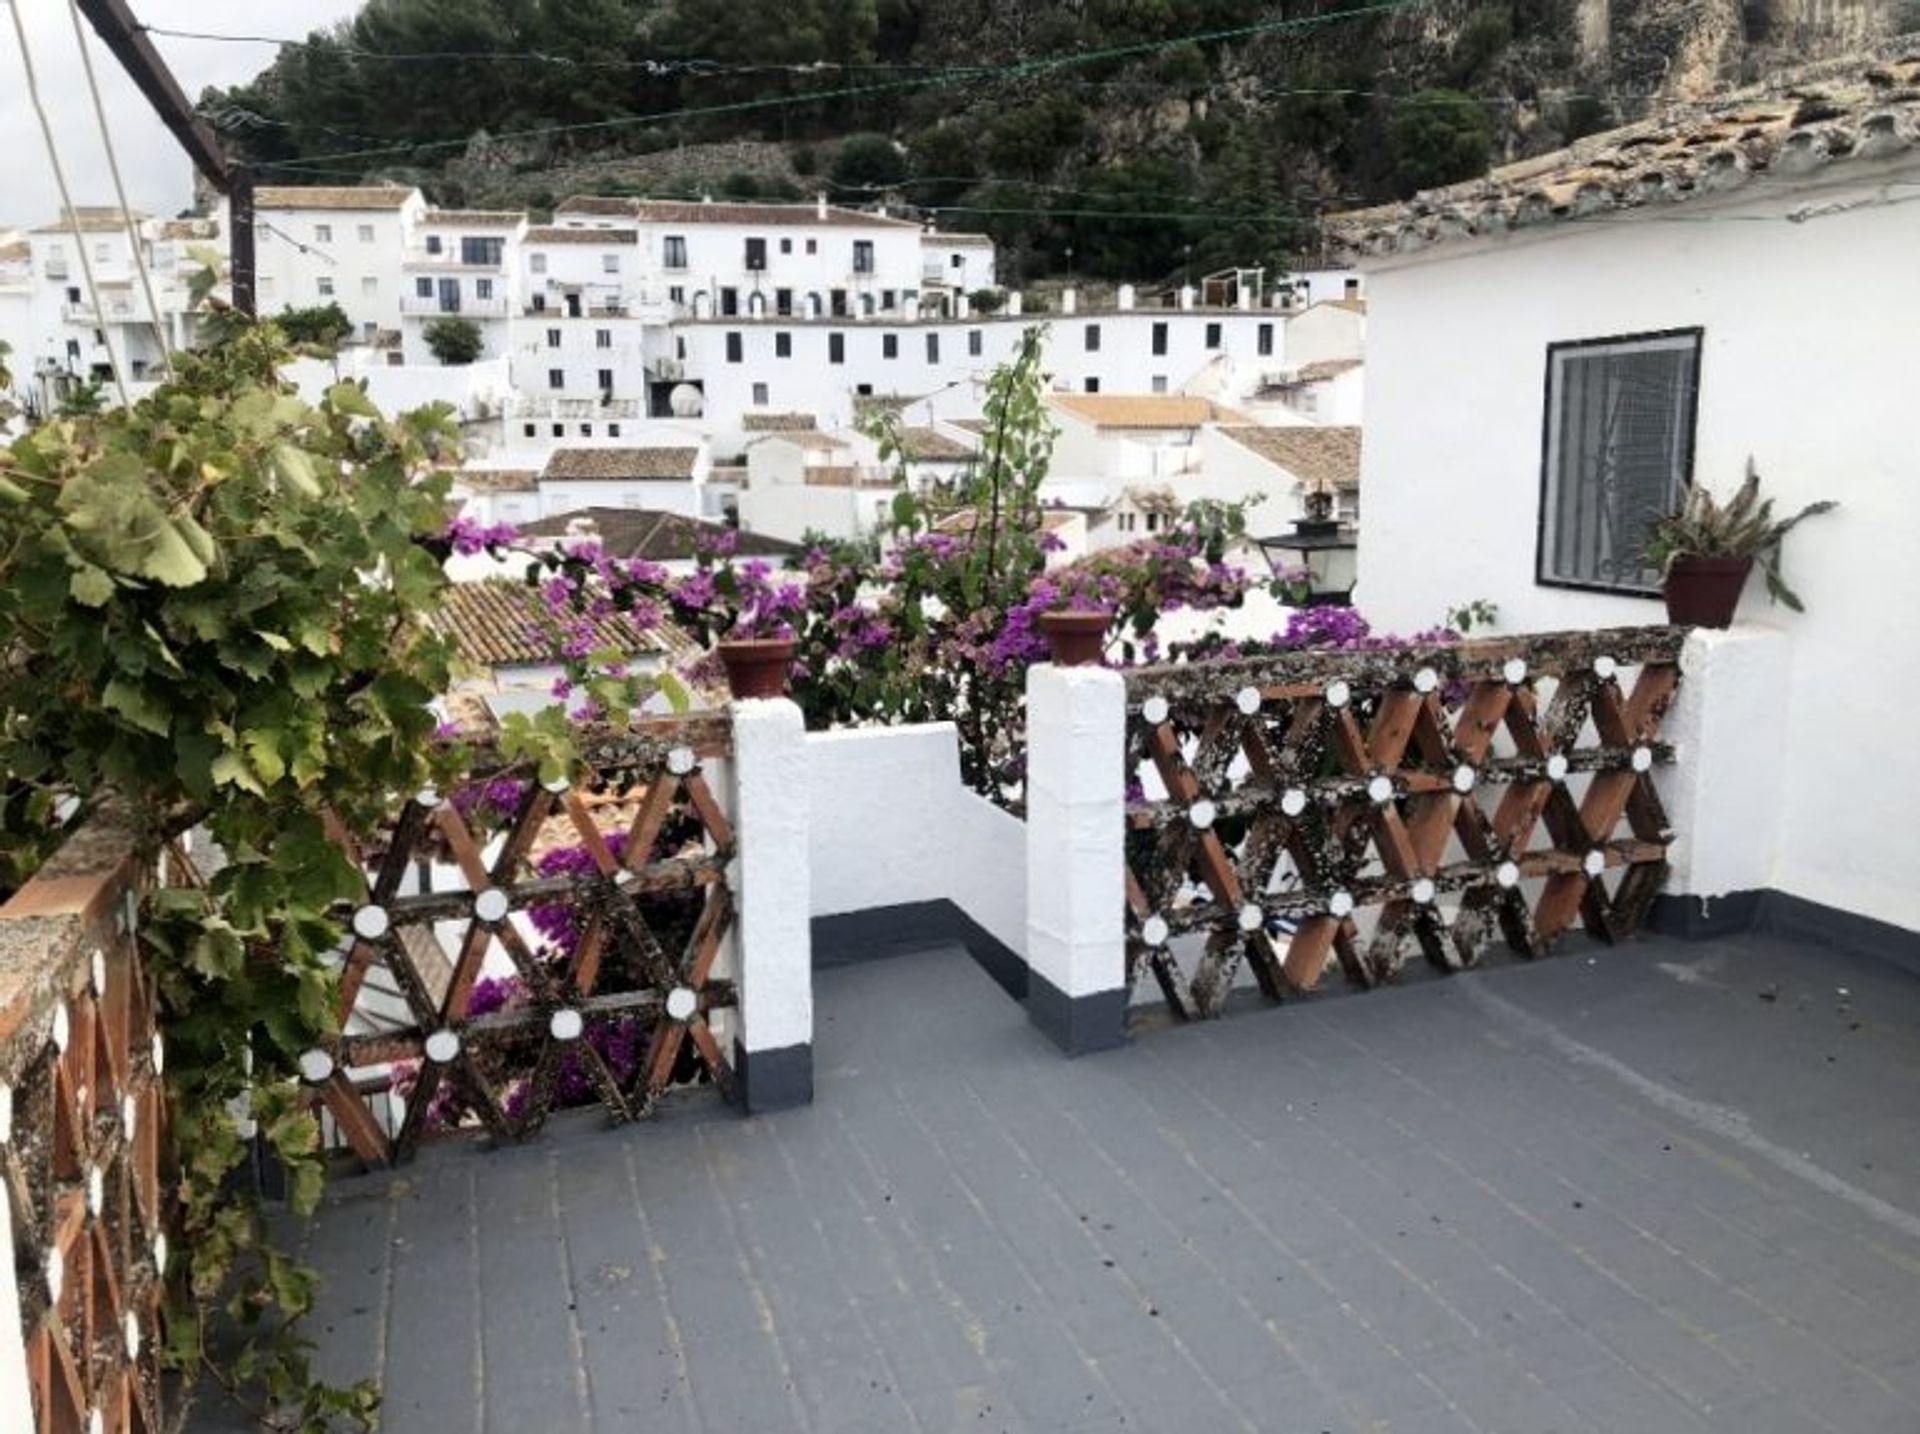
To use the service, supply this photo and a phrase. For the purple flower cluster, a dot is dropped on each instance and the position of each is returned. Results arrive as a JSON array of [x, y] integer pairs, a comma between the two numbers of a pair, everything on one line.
[[469, 536]]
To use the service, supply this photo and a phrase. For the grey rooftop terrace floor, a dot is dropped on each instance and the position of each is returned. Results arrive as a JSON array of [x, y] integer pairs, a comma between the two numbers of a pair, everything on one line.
[[1661, 1188]]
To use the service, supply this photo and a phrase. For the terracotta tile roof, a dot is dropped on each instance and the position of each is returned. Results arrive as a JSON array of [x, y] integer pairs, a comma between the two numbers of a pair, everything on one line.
[[1316, 456], [1144, 410], [778, 422], [558, 234], [332, 196], [1321, 370], [90, 218], [847, 475], [15, 249], [498, 480], [685, 211], [496, 622], [807, 438], [930, 445], [618, 463], [866, 405], [476, 218], [656, 536], [1795, 126], [942, 240], [965, 521], [972, 425]]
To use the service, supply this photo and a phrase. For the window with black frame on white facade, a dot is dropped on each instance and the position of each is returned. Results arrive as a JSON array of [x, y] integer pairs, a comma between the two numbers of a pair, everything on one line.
[[1618, 454]]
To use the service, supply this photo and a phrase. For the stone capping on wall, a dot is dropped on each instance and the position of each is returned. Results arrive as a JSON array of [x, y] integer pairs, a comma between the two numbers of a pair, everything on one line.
[[82, 889]]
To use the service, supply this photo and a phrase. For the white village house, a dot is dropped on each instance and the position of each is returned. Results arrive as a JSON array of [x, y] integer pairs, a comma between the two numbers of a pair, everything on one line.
[[1651, 285]]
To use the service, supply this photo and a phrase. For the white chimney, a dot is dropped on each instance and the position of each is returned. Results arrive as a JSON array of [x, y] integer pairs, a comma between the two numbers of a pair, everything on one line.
[[1069, 301], [962, 307], [1246, 298], [1013, 304], [1186, 296], [1125, 297], [820, 206]]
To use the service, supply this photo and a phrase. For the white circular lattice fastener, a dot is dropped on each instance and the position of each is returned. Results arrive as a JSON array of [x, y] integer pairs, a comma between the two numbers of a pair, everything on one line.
[[1515, 671], [1507, 874], [1293, 801], [62, 1028], [491, 904], [681, 1004], [1154, 931], [1426, 680], [1338, 693], [315, 1066], [1424, 891], [56, 1274], [558, 784], [1252, 918], [566, 1024], [1201, 814], [97, 971], [370, 923], [1155, 711], [443, 1045], [130, 1331], [1643, 759], [428, 797], [1594, 862], [1380, 789], [1247, 699], [96, 1190], [680, 761], [159, 1054], [1463, 778], [6, 1113], [129, 1116], [1340, 903], [1557, 768], [1604, 667]]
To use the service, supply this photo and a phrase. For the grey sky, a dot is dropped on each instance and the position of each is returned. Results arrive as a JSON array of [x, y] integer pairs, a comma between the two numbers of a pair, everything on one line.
[[159, 178]]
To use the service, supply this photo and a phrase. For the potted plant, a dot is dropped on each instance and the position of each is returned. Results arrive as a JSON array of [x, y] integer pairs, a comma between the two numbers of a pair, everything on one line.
[[1706, 549], [1078, 613]]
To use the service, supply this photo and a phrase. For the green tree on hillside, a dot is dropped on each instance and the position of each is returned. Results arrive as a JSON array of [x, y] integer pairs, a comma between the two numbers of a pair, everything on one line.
[[1440, 137], [867, 164], [453, 340]]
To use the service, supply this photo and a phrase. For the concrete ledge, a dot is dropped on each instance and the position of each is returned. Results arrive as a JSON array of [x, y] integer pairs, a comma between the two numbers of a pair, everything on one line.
[[1775, 913], [1077, 1024], [882, 931], [774, 1080]]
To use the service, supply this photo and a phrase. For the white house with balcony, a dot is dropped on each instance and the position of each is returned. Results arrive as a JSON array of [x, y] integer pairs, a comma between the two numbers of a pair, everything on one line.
[[462, 264], [957, 263], [336, 244], [1131, 438], [1561, 349]]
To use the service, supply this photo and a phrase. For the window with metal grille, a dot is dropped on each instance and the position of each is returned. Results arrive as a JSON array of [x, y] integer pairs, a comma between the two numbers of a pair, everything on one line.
[[1618, 454]]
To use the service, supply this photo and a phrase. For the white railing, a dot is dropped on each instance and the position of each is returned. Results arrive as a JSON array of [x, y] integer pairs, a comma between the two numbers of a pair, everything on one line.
[[574, 408], [422, 306]]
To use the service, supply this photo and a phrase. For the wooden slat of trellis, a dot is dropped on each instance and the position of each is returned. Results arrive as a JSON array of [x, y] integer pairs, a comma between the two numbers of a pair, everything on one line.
[[1415, 735]]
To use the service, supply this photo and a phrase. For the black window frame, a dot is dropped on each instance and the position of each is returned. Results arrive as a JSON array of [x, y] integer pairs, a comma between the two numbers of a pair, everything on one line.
[[1091, 339], [836, 348], [1215, 336], [1159, 338], [1549, 398], [889, 346], [736, 347], [933, 346], [755, 260], [976, 343], [1263, 340], [782, 344], [863, 256], [673, 252]]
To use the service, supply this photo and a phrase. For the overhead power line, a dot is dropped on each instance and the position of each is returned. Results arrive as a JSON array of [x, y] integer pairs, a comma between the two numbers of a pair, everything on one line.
[[1013, 70]]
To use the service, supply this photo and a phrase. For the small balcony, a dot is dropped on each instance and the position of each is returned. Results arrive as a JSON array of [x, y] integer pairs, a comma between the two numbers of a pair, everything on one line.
[[54, 268], [114, 311], [467, 307]]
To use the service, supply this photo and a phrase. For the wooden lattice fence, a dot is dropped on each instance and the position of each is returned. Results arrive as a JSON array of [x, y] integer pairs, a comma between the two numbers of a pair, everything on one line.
[[608, 899], [1430, 799]]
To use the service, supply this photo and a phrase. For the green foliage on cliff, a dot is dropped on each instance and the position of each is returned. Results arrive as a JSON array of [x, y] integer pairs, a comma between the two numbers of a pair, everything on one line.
[[1183, 132]]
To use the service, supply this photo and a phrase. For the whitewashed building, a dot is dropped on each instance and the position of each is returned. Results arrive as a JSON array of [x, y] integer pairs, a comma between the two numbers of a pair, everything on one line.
[[336, 244], [1560, 349], [462, 264]]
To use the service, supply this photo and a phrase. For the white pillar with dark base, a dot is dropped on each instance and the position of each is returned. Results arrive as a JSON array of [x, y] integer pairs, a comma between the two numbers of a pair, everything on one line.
[[773, 887], [1076, 831]]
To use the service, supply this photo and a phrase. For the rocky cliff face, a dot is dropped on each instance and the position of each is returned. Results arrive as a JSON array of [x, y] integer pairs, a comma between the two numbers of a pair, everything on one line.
[[1686, 49]]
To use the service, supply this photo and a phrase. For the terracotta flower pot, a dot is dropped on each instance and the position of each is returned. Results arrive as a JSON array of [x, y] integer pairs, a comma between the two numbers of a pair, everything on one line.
[[1077, 638], [1703, 592], [757, 666]]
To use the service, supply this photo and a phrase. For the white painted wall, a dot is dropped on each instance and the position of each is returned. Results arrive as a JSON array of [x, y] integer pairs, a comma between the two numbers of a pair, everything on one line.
[[297, 248], [1817, 393], [891, 824], [793, 510], [1325, 331]]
